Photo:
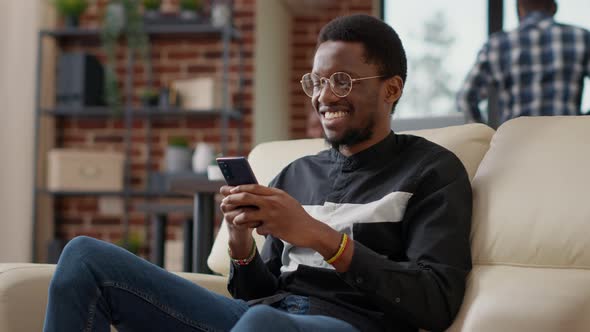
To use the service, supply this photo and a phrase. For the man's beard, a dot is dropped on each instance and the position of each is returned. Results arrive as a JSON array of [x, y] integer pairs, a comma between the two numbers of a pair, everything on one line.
[[353, 136]]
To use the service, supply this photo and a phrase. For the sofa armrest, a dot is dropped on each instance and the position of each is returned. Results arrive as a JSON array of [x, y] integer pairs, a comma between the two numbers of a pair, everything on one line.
[[23, 293], [23, 296], [217, 284]]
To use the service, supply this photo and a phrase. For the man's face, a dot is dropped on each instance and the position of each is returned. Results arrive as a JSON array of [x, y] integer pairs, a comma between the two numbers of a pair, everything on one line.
[[360, 119]]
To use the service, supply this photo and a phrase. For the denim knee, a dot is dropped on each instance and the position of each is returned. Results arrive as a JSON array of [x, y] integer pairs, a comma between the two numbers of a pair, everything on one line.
[[78, 247], [259, 318]]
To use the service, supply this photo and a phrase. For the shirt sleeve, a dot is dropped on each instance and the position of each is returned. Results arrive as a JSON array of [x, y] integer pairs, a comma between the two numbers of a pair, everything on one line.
[[259, 278], [475, 87], [426, 290]]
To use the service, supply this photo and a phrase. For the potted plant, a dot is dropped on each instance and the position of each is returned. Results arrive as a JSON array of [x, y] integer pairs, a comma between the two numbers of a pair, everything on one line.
[[149, 97], [151, 8], [190, 9], [178, 155], [122, 18], [71, 10], [133, 243]]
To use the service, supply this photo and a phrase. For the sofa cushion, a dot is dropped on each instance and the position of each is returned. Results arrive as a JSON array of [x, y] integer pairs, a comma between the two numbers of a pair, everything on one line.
[[469, 142], [531, 194], [510, 298]]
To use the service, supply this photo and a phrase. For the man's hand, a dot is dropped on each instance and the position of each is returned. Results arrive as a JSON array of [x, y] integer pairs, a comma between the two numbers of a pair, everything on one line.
[[276, 213], [240, 236]]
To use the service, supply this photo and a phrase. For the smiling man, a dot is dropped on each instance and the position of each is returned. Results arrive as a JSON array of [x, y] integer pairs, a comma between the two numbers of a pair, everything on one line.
[[371, 235]]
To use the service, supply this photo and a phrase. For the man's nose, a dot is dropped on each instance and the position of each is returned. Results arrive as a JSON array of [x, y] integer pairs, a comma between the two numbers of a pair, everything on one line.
[[326, 93]]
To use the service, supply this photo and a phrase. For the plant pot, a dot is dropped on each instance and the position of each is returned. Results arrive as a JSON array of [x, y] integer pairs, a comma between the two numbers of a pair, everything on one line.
[[214, 173], [202, 157], [115, 17], [71, 21], [188, 15], [178, 159], [221, 13], [151, 14], [150, 101]]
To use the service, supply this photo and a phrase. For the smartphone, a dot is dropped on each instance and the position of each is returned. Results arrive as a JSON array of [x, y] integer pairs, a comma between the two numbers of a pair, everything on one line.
[[236, 170]]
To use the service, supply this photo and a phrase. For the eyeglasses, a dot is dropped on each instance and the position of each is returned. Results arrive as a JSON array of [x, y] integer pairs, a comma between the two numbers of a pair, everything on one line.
[[340, 83]]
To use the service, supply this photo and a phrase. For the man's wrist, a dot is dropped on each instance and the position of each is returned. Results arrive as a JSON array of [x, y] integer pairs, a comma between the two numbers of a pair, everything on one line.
[[327, 241], [240, 244]]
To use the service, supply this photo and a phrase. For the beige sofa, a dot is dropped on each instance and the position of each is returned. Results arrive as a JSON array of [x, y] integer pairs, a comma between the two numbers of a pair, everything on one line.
[[530, 238]]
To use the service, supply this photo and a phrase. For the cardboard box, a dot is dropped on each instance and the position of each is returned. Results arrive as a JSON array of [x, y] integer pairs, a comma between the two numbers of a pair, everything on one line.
[[81, 170], [198, 93]]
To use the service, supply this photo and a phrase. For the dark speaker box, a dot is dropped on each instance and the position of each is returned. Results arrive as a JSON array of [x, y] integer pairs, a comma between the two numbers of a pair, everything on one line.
[[80, 80]]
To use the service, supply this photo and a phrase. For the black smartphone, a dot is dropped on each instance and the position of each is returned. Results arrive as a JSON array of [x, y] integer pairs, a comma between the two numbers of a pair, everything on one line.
[[236, 170]]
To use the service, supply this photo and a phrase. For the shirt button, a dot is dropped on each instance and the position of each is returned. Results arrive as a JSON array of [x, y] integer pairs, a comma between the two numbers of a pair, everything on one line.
[[359, 280], [397, 300]]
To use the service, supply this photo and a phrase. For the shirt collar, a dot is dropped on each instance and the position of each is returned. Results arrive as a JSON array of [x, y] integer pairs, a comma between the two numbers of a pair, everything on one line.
[[373, 155], [534, 18]]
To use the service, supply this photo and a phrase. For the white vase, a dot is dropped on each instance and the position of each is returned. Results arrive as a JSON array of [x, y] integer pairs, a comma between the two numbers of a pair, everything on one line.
[[214, 173], [202, 157]]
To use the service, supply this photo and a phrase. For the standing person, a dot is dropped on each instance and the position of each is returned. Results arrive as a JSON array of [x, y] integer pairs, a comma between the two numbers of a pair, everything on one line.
[[537, 69], [371, 235]]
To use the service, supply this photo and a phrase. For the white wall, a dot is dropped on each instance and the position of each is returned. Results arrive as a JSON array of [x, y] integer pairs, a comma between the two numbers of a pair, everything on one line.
[[272, 71], [18, 30]]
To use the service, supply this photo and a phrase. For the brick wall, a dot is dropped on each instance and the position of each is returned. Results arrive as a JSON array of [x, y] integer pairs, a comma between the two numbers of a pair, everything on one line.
[[305, 32], [172, 58]]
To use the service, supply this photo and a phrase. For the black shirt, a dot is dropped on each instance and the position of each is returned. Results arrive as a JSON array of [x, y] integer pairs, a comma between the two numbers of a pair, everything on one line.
[[406, 202]]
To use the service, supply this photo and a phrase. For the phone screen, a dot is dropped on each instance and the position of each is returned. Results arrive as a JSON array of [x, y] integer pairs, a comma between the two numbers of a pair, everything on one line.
[[236, 170]]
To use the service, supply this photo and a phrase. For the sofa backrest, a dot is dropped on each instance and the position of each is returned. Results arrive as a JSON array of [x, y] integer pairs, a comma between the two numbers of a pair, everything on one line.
[[532, 195], [530, 225], [469, 142]]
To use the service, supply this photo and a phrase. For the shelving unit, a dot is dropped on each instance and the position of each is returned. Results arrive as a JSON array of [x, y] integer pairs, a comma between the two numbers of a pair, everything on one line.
[[227, 35]]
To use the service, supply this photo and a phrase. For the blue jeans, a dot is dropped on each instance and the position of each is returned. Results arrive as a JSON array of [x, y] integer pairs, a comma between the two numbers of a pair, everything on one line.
[[97, 284]]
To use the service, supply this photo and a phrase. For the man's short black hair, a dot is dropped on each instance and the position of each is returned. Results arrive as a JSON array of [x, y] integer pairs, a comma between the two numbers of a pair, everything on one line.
[[529, 5], [382, 44]]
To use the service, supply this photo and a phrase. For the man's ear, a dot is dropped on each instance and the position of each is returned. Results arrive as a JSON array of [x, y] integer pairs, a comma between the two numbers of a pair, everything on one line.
[[393, 89]]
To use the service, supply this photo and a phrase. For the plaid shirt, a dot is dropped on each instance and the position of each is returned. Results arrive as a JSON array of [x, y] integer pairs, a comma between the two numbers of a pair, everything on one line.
[[538, 69]]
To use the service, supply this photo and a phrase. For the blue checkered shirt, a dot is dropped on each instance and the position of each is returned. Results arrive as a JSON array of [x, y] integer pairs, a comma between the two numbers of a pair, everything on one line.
[[537, 69]]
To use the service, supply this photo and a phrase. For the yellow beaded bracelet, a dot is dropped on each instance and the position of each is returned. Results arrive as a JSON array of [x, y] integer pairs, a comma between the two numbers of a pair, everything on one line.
[[340, 251]]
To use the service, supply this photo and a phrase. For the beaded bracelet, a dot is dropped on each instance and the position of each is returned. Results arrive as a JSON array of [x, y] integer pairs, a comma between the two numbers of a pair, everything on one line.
[[244, 261], [341, 248]]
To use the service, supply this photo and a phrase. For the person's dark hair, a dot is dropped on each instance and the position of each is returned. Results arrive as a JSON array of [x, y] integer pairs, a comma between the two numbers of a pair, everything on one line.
[[382, 44], [545, 5]]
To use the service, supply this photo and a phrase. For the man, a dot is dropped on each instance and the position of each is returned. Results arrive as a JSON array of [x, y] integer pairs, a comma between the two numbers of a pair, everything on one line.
[[537, 69], [372, 235], [313, 126]]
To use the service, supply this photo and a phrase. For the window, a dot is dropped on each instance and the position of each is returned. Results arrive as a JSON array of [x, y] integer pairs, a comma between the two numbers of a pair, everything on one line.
[[441, 39]]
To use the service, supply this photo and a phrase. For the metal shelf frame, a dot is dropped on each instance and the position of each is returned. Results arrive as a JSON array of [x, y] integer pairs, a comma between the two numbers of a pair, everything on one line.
[[227, 34]]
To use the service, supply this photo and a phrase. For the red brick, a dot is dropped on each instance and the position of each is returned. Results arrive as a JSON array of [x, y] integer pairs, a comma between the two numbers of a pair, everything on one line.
[[166, 69], [200, 69], [202, 123], [144, 139], [89, 233], [166, 123], [182, 55], [120, 124], [103, 220], [91, 123], [108, 139]]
